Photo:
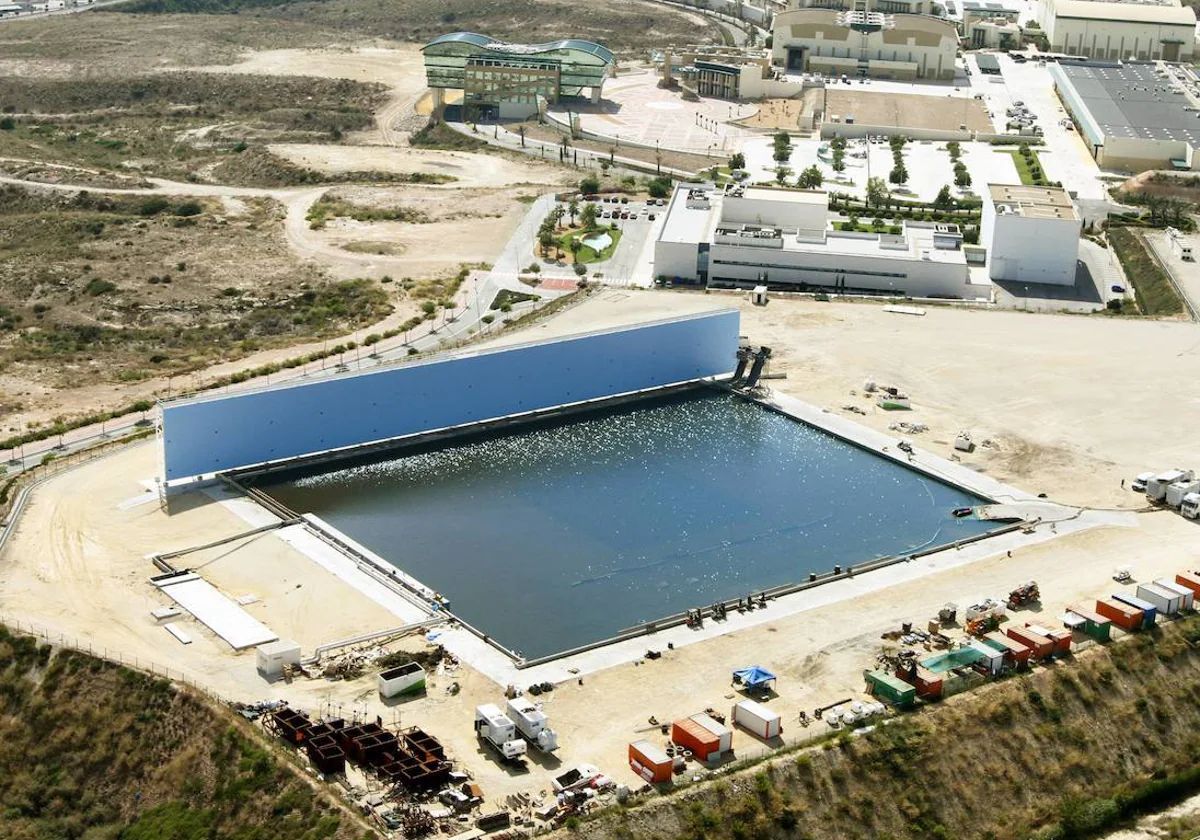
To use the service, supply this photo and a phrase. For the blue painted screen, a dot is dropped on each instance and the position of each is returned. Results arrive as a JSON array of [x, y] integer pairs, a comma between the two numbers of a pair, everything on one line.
[[212, 434]]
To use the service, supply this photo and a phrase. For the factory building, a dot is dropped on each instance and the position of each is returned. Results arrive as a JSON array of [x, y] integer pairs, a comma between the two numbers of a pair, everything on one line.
[[741, 237], [1133, 117], [513, 80], [854, 43], [1155, 30], [1031, 233]]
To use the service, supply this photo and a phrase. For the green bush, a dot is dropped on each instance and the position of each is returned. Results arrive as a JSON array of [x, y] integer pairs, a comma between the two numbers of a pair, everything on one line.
[[153, 206]]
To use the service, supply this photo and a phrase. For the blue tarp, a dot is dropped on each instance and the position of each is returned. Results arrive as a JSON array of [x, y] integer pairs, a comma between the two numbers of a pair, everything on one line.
[[754, 676]]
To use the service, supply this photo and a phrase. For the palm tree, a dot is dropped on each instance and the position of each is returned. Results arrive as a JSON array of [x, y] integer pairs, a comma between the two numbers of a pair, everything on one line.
[[521, 131], [572, 209], [576, 245]]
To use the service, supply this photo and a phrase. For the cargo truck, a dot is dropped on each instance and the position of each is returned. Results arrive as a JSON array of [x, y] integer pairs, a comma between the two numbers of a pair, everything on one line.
[[1191, 506], [1156, 488], [1180, 490], [532, 724], [495, 728]]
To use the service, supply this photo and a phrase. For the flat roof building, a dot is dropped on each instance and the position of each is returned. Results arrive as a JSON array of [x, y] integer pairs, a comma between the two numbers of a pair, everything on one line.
[[1120, 29], [1133, 117], [864, 43], [1031, 233], [511, 80], [742, 237]]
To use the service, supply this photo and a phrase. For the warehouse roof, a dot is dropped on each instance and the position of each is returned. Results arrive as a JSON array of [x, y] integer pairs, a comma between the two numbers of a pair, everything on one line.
[[1132, 101], [1135, 12]]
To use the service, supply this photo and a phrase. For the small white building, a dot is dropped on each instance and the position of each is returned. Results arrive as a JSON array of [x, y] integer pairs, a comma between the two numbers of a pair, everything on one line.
[[273, 657], [746, 237], [1031, 233]]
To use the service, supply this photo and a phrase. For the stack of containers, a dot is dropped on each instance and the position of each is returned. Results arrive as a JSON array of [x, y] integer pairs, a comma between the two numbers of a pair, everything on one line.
[[706, 738], [1060, 637]]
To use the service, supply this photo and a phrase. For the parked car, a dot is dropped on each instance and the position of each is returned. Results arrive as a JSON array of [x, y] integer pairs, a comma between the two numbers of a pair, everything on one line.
[[1118, 289]]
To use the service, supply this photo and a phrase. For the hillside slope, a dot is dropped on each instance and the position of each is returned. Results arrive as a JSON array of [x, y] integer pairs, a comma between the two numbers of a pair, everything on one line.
[[93, 750], [1066, 752]]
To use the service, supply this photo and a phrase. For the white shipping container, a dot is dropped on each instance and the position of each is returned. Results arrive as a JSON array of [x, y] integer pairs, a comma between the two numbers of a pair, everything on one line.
[[1182, 591], [757, 719], [1168, 603], [273, 657], [723, 733]]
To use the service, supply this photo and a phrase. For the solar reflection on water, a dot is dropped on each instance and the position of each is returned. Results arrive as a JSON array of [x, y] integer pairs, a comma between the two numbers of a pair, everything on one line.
[[567, 532]]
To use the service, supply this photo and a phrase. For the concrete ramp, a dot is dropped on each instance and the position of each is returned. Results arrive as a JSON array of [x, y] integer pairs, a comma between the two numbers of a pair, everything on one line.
[[215, 611]]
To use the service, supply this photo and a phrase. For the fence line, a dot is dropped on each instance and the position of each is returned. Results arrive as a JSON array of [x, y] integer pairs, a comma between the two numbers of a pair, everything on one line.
[[115, 657]]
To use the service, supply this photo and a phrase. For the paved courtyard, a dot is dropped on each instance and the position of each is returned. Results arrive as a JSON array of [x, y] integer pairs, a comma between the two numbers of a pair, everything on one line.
[[636, 110]]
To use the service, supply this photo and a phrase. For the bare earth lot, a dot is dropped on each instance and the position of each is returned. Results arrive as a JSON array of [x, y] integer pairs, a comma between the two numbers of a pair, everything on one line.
[[76, 564], [908, 109]]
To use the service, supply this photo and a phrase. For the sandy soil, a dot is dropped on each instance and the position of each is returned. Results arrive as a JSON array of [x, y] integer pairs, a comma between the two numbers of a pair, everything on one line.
[[467, 168], [399, 67], [785, 114], [76, 564]]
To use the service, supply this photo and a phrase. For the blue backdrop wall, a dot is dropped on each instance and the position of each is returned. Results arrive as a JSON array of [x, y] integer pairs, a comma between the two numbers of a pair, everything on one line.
[[206, 435]]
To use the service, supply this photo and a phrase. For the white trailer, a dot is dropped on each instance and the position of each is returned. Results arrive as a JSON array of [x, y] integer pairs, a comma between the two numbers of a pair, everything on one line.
[[757, 719], [273, 657], [1167, 602], [1177, 491], [495, 728], [1191, 506], [1188, 596], [1156, 488], [532, 724]]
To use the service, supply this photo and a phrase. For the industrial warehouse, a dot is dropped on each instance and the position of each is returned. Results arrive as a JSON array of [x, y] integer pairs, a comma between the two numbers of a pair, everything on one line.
[[1133, 116]]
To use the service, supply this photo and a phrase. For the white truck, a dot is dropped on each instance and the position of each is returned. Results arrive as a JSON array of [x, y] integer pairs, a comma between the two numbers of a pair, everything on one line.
[[1180, 490], [1156, 488], [494, 727], [1191, 506], [532, 724], [1140, 482]]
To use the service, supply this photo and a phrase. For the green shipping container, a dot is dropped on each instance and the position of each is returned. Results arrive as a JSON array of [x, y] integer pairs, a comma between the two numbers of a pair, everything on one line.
[[890, 689]]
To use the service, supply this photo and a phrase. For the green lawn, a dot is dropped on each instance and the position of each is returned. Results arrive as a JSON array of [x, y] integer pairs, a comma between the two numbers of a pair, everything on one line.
[[1152, 288], [588, 255], [1024, 170]]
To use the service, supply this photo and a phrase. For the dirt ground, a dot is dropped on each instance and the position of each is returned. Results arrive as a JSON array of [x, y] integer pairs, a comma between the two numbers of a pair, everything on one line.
[[478, 223], [785, 114], [76, 563], [910, 110]]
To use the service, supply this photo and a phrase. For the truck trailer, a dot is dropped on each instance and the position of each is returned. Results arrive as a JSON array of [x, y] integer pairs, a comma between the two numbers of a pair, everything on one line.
[[532, 724], [495, 728], [1156, 488]]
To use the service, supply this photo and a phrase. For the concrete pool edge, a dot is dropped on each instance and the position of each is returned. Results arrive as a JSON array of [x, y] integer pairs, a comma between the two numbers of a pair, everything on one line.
[[486, 655]]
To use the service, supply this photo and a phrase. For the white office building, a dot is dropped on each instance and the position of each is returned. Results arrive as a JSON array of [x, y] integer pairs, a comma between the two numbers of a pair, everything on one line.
[[740, 237], [1031, 233]]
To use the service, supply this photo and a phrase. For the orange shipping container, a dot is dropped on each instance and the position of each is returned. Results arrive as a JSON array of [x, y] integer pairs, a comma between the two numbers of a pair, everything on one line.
[[1042, 647], [702, 735], [1122, 615], [1061, 639], [650, 762], [1189, 579], [927, 683]]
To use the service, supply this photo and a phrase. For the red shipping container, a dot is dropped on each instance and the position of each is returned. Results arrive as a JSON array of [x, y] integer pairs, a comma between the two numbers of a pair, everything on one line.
[[1015, 653], [1042, 647], [1061, 639], [650, 762], [1124, 616], [1189, 579]]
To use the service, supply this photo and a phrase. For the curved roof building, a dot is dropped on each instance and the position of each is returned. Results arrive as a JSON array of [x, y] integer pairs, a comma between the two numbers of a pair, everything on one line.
[[511, 77]]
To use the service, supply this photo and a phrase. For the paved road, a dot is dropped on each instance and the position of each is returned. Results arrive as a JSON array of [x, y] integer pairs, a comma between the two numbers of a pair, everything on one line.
[[1185, 275], [67, 11]]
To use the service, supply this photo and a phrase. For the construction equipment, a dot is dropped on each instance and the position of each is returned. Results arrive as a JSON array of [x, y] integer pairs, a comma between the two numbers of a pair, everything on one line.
[[982, 625], [1026, 593], [948, 615]]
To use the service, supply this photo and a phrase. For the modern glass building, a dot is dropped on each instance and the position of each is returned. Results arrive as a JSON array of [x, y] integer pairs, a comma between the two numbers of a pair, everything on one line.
[[509, 79]]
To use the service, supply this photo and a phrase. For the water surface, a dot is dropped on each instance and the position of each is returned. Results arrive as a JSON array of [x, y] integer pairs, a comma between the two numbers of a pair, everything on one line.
[[561, 534]]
